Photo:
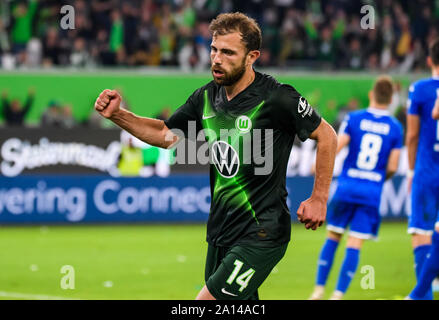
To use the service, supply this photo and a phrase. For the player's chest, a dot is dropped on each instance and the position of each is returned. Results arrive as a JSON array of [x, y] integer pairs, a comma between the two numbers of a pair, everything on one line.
[[217, 123]]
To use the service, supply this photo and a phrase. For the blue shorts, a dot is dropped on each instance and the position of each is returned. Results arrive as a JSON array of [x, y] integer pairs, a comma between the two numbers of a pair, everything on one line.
[[364, 220], [424, 209]]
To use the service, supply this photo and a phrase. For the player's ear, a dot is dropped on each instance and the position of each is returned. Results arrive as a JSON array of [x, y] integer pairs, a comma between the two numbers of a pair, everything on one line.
[[429, 62], [252, 56], [370, 95]]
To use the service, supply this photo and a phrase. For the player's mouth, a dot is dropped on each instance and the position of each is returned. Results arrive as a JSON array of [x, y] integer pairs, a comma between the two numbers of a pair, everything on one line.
[[217, 72]]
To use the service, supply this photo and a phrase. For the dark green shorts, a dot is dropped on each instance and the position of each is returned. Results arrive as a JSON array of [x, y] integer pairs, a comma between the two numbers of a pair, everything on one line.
[[236, 273]]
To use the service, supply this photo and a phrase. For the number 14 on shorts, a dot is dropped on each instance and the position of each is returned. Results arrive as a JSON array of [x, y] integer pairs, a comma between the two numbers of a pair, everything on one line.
[[243, 279]]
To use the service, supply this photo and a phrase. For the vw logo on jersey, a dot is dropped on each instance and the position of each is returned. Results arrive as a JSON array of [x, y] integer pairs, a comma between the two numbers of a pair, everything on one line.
[[243, 124], [225, 158]]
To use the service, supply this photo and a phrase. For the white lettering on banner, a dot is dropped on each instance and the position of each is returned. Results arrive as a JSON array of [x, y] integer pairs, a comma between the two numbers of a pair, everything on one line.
[[394, 200], [301, 159], [19, 155], [71, 202], [98, 196], [130, 200], [112, 196]]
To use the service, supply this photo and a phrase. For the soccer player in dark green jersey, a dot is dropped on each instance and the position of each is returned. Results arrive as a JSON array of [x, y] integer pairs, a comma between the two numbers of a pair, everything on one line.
[[249, 223]]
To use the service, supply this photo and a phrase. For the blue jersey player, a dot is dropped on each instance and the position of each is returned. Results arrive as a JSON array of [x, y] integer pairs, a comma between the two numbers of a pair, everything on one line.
[[374, 139], [423, 155]]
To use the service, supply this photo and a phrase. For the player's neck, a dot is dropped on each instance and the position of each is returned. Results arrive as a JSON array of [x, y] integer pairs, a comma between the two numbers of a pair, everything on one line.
[[379, 106], [246, 80], [435, 72]]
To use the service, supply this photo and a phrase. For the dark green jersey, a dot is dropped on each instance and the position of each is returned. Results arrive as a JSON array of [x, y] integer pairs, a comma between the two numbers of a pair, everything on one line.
[[250, 139]]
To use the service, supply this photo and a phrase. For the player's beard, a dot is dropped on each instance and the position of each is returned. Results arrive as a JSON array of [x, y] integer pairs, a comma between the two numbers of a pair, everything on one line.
[[230, 78]]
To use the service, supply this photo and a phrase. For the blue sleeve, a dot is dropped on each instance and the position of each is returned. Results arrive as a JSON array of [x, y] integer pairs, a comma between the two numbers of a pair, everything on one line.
[[399, 136], [345, 126], [414, 102]]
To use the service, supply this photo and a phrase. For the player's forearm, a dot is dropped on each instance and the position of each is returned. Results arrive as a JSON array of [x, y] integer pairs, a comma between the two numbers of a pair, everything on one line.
[[151, 131], [412, 139], [412, 147], [325, 157], [390, 174], [28, 104], [393, 163], [435, 112]]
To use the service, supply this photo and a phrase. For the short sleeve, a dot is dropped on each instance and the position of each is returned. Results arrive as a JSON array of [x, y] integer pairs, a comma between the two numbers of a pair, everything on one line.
[[186, 116], [345, 126], [292, 112], [414, 101], [399, 137]]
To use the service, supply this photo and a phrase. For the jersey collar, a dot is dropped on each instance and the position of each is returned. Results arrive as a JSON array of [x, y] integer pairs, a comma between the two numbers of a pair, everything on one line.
[[379, 112]]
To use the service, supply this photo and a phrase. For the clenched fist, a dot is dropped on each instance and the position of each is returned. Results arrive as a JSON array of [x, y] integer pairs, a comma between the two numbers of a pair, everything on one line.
[[312, 213], [108, 103]]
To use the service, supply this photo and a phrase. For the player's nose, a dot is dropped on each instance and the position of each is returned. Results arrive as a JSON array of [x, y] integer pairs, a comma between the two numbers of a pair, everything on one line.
[[216, 60]]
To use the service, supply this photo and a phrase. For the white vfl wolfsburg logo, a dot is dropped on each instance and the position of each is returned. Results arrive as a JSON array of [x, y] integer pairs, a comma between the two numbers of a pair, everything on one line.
[[225, 158], [243, 124]]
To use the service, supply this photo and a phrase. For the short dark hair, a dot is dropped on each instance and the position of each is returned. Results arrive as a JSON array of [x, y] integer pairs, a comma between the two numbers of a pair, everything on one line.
[[226, 23], [383, 90], [433, 51]]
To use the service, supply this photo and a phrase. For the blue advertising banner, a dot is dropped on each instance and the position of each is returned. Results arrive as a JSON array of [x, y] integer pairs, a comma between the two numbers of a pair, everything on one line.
[[178, 198]]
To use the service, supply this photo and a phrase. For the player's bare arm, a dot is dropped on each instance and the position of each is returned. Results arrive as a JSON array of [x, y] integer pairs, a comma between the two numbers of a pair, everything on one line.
[[312, 212], [412, 139], [435, 112], [392, 165], [342, 141], [151, 131]]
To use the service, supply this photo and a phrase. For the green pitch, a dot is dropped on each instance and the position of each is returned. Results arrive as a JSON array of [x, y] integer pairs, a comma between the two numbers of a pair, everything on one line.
[[167, 262]]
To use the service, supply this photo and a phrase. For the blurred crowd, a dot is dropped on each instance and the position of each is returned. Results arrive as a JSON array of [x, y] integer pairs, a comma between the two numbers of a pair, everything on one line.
[[311, 34], [56, 114]]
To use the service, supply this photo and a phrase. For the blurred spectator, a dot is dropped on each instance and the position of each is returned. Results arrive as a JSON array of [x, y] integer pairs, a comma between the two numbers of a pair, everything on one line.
[[116, 31], [131, 158], [51, 48], [193, 56], [67, 120], [4, 38], [167, 39], [138, 158], [326, 50], [58, 115], [51, 117], [23, 13], [80, 56], [101, 49], [14, 112], [354, 57]]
